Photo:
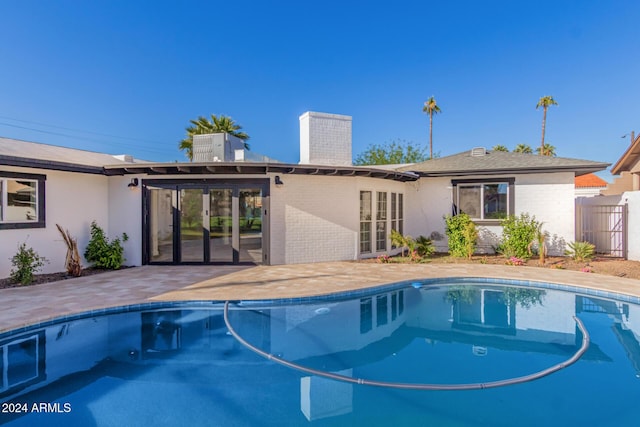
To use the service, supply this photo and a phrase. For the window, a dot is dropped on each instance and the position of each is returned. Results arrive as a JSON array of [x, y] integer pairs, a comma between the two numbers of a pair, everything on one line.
[[22, 361], [484, 200], [365, 221], [21, 200], [400, 228], [381, 310], [366, 315], [381, 222]]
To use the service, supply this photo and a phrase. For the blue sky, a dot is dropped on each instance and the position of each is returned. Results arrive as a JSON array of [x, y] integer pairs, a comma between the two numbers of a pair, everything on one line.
[[126, 77]]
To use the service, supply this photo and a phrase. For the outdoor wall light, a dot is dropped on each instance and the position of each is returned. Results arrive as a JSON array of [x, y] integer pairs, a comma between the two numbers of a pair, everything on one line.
[[133, 183], [278, 181]]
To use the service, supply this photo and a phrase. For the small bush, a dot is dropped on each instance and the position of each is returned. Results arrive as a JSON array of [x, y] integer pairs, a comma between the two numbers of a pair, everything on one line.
[[383, 259], [424, 246], [518, 234], [462, 235], [515, 261], [399, 241], [102, 252], [417, 248], [580, 251], [25, 263]]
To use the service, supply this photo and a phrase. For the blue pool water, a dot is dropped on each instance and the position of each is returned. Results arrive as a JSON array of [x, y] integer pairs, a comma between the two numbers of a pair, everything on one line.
[[178, 364]]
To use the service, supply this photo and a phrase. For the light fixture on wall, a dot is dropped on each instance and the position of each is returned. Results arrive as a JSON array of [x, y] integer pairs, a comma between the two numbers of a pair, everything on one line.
[[278, 181], [134, 183]]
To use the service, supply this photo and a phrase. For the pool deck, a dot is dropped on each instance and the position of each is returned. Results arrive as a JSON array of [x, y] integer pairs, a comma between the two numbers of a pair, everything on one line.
[[33, 304]]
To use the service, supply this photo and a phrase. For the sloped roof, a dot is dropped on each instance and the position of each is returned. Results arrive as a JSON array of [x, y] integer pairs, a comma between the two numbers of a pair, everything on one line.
[[629, 159], [590, 180], [500, 162], [32, 154]]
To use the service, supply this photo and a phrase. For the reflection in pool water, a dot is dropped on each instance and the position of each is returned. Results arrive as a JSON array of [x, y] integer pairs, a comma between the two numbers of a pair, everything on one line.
[[180, 366]]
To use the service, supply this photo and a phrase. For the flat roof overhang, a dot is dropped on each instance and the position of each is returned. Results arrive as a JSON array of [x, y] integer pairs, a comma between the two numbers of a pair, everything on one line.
[[240, 168]]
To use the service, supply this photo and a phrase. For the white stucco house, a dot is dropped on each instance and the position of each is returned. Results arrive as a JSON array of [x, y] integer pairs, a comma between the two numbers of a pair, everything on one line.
[[230, 206]]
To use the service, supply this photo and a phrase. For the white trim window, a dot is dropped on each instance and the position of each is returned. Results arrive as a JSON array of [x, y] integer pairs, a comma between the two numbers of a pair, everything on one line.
[[365, 221], [21, 200], [381, 222]]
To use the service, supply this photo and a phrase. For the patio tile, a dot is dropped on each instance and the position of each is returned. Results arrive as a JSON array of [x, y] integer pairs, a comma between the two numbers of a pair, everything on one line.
[[33, 304]]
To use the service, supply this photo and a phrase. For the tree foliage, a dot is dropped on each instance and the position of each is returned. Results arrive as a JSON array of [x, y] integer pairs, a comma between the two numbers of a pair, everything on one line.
[[523, 148], [431, 107], [500, 147], [548, 150], [204, 126], [391, 153], [545, 102]]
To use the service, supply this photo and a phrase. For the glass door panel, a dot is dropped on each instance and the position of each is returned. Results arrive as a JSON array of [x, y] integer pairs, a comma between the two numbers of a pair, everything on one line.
[[220, 225], [250, 227], [191, 225], [161, 208]]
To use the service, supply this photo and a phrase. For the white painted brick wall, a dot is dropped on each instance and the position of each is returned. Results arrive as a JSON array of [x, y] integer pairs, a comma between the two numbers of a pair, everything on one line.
[[325, 139], [317, 218], [73, 200], [548, 196]]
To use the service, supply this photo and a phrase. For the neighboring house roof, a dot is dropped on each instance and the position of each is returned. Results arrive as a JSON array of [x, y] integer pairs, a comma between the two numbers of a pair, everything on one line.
[[590, 180], [629, 159], [486, 162], [14, 152]]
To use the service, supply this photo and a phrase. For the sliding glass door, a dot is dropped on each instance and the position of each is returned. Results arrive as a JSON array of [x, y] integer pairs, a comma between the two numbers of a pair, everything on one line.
[[205, 223], [221, 225]]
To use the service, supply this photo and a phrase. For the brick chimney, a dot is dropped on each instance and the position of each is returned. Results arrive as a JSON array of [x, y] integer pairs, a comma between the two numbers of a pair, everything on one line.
[[325, 139]]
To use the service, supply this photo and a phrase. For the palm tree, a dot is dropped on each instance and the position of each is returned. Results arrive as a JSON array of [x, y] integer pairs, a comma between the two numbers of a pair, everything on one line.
[[500, 147], [523, 148], [203, 126], [431, 108], [547, 150], [545, 102]]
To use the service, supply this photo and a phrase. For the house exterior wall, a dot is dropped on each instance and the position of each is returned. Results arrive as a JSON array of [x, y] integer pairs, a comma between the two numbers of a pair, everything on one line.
[[73, 200], [125, 215], [317, 218], [547, 196]]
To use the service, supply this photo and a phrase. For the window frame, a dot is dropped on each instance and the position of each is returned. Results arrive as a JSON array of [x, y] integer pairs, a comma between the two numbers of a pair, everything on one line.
[[461, 183], [382, 217], [40, 180], [365, 221]]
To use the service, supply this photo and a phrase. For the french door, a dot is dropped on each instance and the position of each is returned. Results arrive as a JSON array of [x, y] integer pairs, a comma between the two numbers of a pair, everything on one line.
[[205, 223]]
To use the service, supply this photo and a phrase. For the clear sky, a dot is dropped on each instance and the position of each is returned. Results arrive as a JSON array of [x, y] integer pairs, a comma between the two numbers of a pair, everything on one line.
[[126, 77]]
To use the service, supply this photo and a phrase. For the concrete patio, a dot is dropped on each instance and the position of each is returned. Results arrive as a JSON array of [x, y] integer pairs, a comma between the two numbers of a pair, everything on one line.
[[26, 305]]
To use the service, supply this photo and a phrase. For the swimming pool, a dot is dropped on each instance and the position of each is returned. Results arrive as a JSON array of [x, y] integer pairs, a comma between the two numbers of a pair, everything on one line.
[[178, 364]]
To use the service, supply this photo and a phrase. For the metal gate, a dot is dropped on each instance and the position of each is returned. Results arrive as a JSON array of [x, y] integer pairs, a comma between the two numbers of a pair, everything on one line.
[[604, 226]]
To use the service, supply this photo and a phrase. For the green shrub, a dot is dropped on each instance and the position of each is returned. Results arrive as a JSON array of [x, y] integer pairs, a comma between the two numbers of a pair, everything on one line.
[[580, 251], [417, 248], [462, 235], [400, 241], [518, 233], [25, 263], [424, 246], [102, 252]]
